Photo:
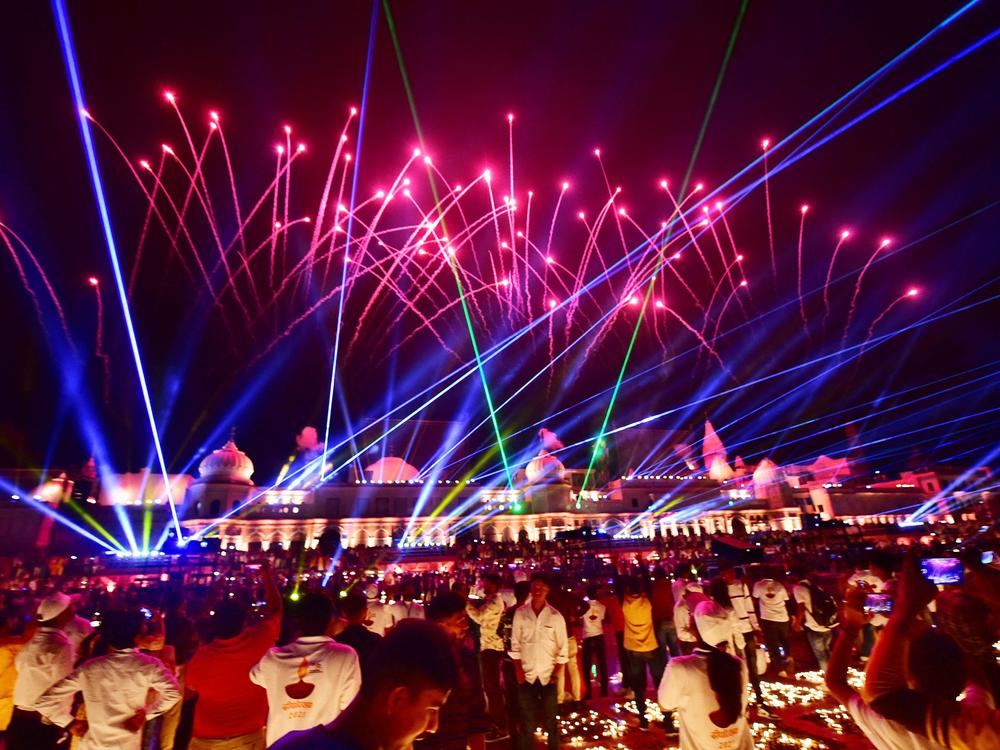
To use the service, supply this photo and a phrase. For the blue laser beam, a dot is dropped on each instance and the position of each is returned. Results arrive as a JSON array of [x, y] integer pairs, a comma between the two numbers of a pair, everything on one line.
[[350, 223], [72, 69]]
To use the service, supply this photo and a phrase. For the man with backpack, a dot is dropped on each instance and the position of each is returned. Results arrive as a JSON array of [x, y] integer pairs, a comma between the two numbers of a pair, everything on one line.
[[817, 612]]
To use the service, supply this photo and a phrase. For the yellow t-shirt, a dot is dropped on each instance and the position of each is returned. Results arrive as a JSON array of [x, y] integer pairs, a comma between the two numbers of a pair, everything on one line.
[[639, 635]]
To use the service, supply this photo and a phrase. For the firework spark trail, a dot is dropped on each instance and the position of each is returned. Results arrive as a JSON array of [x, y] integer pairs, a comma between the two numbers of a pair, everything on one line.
[[279, 151], [24, 278], [857, 289], [151, 203], [283, 251], [842, 237], [341, 208], [194, 154], [324, 199], [612, 195], [739, 262], [213, 227], [715, 293], [678, 209], [802, 304], [725, 306], [99, 352], [767, 208], [217, 124], [6, 230], [909, 293], [145, 229]]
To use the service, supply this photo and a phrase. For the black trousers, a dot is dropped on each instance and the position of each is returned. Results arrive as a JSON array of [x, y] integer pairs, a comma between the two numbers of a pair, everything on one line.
[[490, 662], [27, 731], [594, 653], [535, 701]]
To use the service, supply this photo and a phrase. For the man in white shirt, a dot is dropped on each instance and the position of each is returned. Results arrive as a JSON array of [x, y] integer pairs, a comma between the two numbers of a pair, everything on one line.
[[818, 634], [406, 606], [379, 616], [683, 608], [487, 613], [44, 660], [775, 622], [310, 680], [539, 649], [749, 627], [121, 690], [592, 638]]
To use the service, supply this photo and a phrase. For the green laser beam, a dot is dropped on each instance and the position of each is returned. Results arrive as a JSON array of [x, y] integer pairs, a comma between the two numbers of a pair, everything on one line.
[[391, 23], [652, 281]]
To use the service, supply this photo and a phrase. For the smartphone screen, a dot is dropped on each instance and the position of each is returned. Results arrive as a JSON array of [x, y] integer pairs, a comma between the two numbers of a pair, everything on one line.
[[987, 557], [942, 570], [878, 604]]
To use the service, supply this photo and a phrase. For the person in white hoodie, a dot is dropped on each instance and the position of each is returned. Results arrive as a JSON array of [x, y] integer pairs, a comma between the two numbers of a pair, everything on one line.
[[311, 680]]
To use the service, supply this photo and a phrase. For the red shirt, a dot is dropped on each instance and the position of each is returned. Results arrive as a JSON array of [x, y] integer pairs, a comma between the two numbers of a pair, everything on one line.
[[228, 703]]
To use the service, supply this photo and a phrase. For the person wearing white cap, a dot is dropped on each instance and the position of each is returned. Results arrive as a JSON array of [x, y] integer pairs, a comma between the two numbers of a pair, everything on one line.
[[379, 615], [708, 687], [44, 661]]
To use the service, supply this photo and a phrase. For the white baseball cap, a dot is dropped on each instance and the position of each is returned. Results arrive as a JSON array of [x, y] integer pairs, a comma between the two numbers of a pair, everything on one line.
[[53, 605], [713, 623]]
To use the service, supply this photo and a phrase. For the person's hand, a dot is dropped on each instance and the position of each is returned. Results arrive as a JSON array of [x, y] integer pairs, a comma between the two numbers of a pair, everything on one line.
[[852, 615], [78, 727], [136, 721], [915, 592]]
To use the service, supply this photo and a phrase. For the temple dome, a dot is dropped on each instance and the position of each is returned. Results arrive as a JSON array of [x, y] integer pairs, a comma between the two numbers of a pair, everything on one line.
[[545, 468], [228, 464]]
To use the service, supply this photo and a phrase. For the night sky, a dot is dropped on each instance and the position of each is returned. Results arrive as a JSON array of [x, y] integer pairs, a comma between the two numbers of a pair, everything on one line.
[[633, 79]]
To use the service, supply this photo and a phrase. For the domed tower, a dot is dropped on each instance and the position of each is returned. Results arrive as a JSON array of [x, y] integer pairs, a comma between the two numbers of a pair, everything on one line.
[[224, 481]]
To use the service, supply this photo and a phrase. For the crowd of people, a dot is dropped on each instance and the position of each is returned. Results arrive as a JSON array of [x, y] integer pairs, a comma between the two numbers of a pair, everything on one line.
[[490, 643]]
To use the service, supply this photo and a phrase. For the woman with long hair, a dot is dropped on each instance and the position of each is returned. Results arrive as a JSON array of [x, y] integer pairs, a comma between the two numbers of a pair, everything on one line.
[[707, 688]]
